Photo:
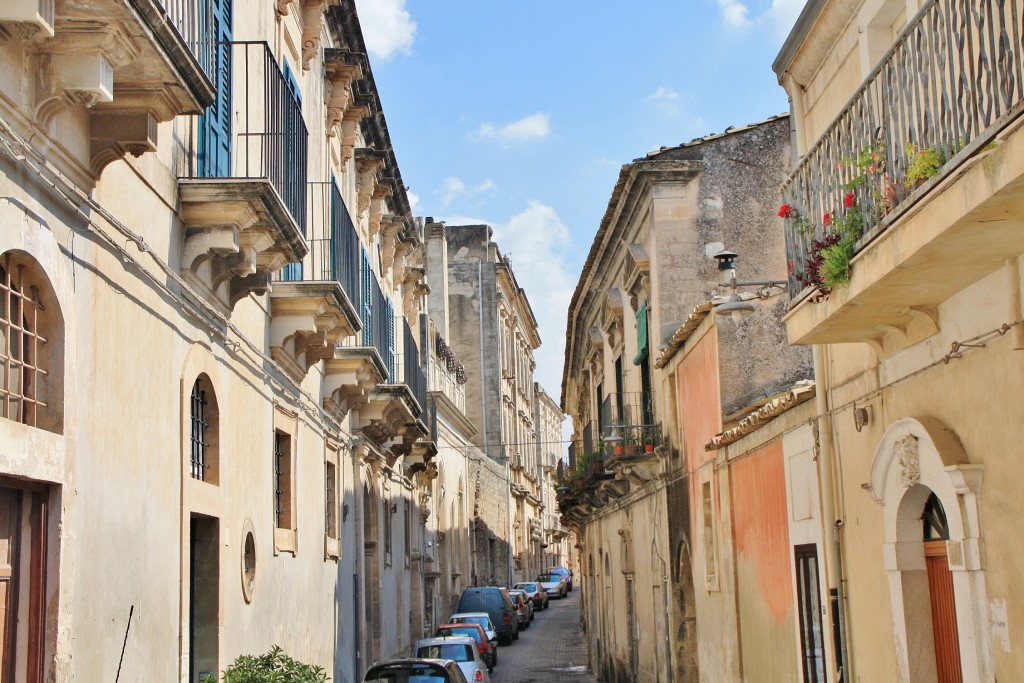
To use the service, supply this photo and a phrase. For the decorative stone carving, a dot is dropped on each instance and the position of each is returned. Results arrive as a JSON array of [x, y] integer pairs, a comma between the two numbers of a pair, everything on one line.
[[368, 163], [381, 192], [350, 131], [348, 378], [908, 458], [341, 71], [307, 321]]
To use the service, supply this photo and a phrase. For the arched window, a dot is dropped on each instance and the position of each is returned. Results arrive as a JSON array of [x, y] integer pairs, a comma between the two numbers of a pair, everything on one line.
[[31, 344], [204, 433]]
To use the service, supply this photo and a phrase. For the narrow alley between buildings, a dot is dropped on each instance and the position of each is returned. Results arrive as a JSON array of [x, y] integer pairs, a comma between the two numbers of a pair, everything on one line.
[[552, 650]]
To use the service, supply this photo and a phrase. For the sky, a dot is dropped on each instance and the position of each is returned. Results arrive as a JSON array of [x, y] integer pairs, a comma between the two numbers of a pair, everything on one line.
[[520, 114]]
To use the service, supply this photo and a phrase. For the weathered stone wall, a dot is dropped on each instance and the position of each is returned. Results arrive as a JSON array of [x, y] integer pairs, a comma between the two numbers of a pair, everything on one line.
[[490, 521]]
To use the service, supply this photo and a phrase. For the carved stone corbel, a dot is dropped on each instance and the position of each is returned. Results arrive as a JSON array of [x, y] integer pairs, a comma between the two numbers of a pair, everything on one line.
[[340, 77], [383, 190], [368, 163], [350, 121]]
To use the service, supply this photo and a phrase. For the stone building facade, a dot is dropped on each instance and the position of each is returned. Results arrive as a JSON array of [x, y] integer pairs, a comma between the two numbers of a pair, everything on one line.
[[215, 425], [917, 348], [651, 379]]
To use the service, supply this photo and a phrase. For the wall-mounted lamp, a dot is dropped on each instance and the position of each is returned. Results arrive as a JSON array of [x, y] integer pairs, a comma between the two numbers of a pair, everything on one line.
[[735, 306], [614, 438]]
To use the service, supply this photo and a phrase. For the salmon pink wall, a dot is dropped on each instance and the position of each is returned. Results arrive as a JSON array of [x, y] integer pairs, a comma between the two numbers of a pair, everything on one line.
[[699, 399]]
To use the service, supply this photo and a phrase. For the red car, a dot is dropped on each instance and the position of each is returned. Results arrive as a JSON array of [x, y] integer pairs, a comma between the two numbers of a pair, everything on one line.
[[488, 648]]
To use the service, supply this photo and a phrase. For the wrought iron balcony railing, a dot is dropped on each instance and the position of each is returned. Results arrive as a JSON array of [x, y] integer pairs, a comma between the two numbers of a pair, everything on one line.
[[193, 20], [255, 129], [333, 243], [447, 374], [953, 79], [628, 409], [407, 369]]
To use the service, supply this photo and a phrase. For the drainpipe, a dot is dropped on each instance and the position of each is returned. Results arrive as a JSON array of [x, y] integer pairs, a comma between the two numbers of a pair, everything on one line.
[[826, 486]]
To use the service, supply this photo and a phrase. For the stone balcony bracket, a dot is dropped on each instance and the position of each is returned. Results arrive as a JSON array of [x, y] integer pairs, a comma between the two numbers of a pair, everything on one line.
[[237, 232], [341, 73], [391, 415], [307, 321], [420, 457], [125, 65], [385, 187], [369, 162], [349, 377], [371, 457], [350, 121], [312, 27]]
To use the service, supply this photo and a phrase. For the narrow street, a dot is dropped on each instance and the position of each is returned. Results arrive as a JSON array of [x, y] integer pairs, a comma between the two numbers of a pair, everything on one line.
[[553, 649]]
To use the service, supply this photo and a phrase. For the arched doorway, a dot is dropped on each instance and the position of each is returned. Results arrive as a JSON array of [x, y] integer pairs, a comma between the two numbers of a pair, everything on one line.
[[929, 490]]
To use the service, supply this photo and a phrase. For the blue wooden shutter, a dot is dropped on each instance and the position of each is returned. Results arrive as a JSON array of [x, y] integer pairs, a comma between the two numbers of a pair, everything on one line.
[[215, 122], [389, 314], [367, 287]]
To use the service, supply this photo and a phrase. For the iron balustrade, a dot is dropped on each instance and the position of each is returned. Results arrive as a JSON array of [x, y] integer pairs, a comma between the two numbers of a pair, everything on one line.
[[446, 382], [333, 243], [268, 136], [378, 320], [407, 367], [192, 20], [588, 438], [953, 79]]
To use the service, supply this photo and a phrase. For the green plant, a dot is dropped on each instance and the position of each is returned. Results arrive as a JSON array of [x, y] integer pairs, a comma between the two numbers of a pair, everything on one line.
[[273, 667], [868, 164], [835, 262], [923, 163]]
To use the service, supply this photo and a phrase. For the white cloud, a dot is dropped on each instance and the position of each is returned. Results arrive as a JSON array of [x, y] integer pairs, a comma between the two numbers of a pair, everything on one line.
[[387, 26], [455, 188], [668, 101], [532, 127], [734, 13], [414, 199], [537, 243], [783, 15]]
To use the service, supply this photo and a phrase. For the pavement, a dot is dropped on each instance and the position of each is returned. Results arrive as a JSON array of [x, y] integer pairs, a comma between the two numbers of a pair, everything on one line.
[[552, 650]]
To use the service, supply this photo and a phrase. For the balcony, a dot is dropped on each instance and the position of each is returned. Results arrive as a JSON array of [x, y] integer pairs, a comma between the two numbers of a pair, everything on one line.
[[129, 64], [311, 301], [394, 413], [921, 175], [244, 204], [447, 375]]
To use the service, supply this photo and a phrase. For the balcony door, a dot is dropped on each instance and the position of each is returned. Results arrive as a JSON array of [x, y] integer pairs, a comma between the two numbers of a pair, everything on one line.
[[215, 123]]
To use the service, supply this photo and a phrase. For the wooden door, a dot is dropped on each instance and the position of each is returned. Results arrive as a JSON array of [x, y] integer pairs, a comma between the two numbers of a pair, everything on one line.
[[10, 522], [940, 589]]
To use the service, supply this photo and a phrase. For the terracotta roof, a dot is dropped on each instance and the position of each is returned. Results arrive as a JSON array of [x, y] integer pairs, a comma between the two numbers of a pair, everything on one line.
[[791, 398], [731, 130], [688, 327]]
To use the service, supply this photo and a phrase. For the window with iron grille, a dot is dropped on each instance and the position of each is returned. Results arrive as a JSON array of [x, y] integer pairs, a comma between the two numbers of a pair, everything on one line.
[[330, 500], [812, 632], [283, 480], [20, 345], [200, 427]]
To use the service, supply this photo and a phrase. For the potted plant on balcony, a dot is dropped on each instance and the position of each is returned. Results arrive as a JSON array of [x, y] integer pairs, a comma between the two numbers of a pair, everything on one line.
[[649, 435]]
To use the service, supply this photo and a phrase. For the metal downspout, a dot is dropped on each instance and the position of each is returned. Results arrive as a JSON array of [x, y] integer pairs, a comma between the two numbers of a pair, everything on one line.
[[826, 485]]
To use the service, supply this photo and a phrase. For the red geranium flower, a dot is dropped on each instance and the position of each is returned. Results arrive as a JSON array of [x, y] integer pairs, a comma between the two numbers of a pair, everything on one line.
[[827, 220], [850, 200], [785, 211]]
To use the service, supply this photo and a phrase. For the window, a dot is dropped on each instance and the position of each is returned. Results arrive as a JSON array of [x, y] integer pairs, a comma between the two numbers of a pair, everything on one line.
[[812, 640], [203, 435], [30, 365], [332, 489], [710, 559], [282, 480]]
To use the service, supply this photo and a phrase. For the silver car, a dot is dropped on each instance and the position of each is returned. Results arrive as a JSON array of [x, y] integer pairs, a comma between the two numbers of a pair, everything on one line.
[[553, 585], [460, 649]]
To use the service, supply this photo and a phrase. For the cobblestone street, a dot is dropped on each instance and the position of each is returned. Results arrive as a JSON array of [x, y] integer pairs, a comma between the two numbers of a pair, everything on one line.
[[553, 649]]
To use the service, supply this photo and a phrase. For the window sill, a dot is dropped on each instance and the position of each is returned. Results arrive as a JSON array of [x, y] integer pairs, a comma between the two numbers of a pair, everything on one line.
[[286, 541]]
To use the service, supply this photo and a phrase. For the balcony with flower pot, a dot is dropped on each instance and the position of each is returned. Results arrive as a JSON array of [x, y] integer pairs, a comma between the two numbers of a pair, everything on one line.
[[632, 439], [913, 193]]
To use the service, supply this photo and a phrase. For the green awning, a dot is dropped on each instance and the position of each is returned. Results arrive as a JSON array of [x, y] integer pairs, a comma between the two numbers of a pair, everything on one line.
[[641, 335]]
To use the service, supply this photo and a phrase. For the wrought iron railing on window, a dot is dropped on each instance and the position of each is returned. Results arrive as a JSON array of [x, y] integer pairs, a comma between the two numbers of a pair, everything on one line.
[[627, 409], [193, 20], [378, 320], [333, 243], [260, 120], [953, 79]]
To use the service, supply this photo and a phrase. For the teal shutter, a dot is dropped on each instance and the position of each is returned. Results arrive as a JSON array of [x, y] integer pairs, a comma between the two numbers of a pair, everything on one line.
[[215, 123], [641, 335], [367, 303]]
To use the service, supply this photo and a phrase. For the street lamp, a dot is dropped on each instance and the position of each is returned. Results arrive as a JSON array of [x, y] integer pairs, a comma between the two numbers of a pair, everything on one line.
[[735, 306]]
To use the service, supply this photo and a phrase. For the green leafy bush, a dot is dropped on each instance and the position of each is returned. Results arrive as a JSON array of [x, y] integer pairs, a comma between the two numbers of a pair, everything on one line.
[[272, 667]]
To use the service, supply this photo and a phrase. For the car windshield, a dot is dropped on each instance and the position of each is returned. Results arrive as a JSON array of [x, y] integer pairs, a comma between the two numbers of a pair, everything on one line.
[[547, 578], [461, 631], [457, 652], [531, 587], [483, 621]]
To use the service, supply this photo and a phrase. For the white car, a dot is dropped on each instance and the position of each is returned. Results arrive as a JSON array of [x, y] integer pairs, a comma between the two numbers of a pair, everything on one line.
[[460, 649], [553, 585], [482, 618]]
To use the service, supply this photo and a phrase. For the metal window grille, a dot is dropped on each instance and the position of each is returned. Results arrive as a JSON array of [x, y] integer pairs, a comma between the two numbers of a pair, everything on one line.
[[329, 501], [20, 343], [279, 497], [812, 636], [200, 425]]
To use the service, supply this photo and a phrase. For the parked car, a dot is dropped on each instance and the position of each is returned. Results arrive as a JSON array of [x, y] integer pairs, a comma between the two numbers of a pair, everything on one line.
[[565, 573], [488, 646], [553, 585], [497, 603], [536, 593], [522, 611], [414, 671], [526, 599], [460, 649]]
